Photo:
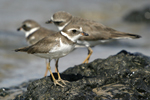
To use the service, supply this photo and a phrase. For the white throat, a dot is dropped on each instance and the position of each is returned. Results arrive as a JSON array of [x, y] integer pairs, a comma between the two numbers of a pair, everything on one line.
[[27, 33], [62, 27], [73, 39]]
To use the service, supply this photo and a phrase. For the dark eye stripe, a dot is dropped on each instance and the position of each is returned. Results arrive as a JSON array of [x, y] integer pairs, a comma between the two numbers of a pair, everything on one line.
[[57, 22]]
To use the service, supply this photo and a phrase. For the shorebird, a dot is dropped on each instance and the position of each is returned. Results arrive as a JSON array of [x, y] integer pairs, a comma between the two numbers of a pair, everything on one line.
[[56, 46], [34, 32], [98, 33]]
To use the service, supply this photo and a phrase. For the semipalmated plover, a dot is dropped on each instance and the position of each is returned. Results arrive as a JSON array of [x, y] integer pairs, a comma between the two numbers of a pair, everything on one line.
[[98, 33], [56, 46], [34, 32]]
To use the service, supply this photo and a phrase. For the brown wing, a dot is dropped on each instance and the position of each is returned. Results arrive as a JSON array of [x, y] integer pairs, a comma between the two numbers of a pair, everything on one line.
[[94, 29], [45, 32], [42, 46], [98, 31], [40, 34]]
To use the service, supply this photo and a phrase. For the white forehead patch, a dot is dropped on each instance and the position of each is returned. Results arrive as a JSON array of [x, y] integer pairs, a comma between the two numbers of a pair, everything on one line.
[[29, 25], [81, 29], [51, 17], [75, 29], [32, 38], [70, 29]]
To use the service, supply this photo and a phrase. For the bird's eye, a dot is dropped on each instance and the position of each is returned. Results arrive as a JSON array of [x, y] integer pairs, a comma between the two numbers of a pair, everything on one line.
[[74, 31], [24, 25]]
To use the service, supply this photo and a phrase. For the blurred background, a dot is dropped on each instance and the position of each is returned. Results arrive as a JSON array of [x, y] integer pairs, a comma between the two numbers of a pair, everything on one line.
[[131, 16]]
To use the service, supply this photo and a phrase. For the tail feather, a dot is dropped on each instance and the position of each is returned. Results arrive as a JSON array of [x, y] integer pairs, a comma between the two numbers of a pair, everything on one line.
[[24, 49], [119, 35], [125, 35], [133, 36]]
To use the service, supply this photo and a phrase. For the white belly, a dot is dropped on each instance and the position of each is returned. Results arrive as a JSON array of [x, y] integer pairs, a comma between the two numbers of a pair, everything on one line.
[[60, 52], [57, 51]]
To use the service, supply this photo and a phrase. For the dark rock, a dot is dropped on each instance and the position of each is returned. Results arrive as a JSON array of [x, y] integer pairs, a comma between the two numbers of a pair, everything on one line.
[[3, 93], [14, 91], [124, 76], [138, 16]]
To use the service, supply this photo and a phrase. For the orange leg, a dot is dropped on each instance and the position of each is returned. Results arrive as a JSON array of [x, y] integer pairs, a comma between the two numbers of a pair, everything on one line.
[[90, 51], [56, 65], [55, 81], [59, 78], [47, 67]]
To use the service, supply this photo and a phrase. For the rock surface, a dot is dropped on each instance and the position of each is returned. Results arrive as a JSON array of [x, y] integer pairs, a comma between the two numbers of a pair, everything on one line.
[[124, 76]]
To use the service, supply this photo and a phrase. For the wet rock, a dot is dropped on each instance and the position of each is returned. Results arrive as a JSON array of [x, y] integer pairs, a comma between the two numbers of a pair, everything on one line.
[[139, 15], [3, 93], [13, 92], [122, 76]]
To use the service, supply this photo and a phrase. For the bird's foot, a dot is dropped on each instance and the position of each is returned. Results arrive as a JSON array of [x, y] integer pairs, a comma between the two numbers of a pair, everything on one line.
[[63, 81], [56, 82]]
